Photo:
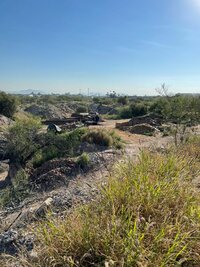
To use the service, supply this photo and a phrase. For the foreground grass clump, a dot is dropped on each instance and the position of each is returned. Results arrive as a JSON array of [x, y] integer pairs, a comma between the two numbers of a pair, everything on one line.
[[148, 215]]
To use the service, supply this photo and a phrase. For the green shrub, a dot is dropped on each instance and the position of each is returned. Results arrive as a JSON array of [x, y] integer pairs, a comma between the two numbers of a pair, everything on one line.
[[8, 104], [122, 100], [23, 139], [138, 109], [125, 113], [101, 138], [84, 160], [134, 110], [57, 146], [81, 109], [43, 155], [118, 143]]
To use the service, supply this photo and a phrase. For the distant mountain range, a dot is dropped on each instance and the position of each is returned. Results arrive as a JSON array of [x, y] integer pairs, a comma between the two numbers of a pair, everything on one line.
[[29, 92]]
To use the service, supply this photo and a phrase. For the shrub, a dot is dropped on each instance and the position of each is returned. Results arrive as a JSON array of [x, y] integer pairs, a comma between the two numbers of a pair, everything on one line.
[[8, 104], [83, 161], [43, 155], [101, 138], [81, 109], [62, 145], [122, 100], [117, 140], [23, 139], [125, 113], [138, 109], [148, 215], [134, 110]]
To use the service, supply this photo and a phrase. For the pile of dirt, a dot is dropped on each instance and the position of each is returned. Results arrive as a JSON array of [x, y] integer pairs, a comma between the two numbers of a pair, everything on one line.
[[52, 174], [46, 111], [146, 119], [103, 109], [65, 108], [147, 125], [144, 128]]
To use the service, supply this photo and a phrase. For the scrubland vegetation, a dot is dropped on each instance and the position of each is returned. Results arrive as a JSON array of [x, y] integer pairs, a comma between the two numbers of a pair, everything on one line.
[[148, 215]]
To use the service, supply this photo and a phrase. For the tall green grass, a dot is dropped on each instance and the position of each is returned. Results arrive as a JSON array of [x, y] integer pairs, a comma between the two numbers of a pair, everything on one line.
[[148, 215]]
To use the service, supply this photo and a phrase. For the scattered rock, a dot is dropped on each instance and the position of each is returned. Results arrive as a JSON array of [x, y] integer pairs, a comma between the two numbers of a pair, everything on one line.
[[11, 242], [5, 121]]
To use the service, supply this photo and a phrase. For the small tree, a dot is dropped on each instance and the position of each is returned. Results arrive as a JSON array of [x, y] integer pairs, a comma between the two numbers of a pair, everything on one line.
[[23, 140], [181, 110], [122, 100], [8, 104], [138, 109]]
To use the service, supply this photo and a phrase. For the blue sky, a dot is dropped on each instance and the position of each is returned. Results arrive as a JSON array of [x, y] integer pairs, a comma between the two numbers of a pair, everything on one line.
[[131, 46]]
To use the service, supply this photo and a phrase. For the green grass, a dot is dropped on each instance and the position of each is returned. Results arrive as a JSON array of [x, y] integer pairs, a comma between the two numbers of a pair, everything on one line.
[[148, 215], [103, 138]]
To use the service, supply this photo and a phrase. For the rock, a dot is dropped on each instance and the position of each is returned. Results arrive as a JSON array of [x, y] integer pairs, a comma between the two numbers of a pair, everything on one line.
[[8, 242], [5, 121], [196, 182], [33, 213], [33, 255], [11, 242], [44, 207], [62, 200]]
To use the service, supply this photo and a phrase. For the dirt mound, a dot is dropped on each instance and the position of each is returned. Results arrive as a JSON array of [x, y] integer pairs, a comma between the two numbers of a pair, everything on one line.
[[146, 119], [65, 108], [52, 174], [46, 111], [103, 109], [144, 128]]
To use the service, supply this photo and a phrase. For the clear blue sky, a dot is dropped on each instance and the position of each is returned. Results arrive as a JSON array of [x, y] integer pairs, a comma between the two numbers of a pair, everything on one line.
[[131, 46]]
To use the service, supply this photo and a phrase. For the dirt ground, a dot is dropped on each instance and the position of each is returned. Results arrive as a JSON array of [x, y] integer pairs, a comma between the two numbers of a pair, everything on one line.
[[135, 142]]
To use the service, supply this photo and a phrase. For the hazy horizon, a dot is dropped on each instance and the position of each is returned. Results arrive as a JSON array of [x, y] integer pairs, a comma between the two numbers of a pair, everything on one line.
[[131, 47]]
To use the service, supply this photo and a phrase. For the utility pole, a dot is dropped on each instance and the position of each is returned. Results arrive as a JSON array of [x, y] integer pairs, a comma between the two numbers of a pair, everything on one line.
[[88, 98]]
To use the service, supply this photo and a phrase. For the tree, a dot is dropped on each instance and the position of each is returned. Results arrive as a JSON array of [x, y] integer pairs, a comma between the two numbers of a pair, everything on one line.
[[138, 109], [122, 100], [8, 104], [181, 110], [23, 141]]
